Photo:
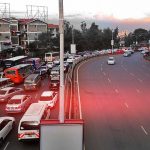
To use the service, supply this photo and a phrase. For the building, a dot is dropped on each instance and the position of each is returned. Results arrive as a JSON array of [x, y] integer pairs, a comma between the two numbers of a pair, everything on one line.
[[53, 29], [5, 34], [30, 30]]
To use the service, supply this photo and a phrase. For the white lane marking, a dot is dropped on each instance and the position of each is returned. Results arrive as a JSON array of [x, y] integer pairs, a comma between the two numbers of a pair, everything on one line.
[[109, 80], [79, 99], [126, 105], [104, 73], [138, 91], [132, 74], [140, 80], [101, 68], [144, 130], [6, 146], [116, 91]]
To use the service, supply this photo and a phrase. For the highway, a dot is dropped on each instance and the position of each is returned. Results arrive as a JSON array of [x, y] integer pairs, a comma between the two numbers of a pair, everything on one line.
[[115, 103]]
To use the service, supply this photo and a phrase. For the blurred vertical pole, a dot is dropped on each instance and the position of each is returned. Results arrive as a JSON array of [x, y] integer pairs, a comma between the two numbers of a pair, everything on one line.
[[61, 32], [112, 42]]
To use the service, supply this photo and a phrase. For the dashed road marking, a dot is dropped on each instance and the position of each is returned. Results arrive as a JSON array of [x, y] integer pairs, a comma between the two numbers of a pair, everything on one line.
[[138, 91], [140, 80], [132, 74], [6, 146], [109, 80], [126, 105], [104, 73], [144, 130], [116, 91]]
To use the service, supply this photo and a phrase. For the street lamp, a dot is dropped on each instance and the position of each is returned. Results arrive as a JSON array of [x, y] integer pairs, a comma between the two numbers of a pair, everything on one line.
[[112, 41], [61, 32]]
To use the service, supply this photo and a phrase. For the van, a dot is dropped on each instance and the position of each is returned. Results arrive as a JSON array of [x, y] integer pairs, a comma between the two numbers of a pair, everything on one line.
[[49, 97], [29, 124], [5, 82], [32, 82]]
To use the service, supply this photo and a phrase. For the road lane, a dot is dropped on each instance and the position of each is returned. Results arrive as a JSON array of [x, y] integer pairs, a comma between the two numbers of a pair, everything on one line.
[[116, 115]]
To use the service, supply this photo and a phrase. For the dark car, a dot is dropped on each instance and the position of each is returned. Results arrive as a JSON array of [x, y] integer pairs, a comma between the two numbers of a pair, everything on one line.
[[41, 72]]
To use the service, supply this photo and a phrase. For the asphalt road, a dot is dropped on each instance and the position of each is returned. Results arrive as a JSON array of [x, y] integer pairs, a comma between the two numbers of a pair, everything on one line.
[[11, 142], [115, 101]]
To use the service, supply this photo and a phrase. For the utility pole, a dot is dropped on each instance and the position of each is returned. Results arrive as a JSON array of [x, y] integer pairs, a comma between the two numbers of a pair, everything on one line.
[[112, 42], [61, 32]]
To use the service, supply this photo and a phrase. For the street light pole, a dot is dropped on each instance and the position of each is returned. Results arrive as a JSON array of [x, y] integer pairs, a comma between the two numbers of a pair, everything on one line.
[[112, 41], [61, 32]]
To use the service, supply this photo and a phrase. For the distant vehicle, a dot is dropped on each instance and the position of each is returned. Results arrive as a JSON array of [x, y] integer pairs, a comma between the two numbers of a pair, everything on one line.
[[10, 62], [144, 51], [49, 97], [71, 59], [5, 82], [55, 71], [127, 53], [18, 103], [41, 72], [111, 61], [32, 82], [18, 73], [35, 62], [29, 124], [50, 65], [8, 92], [6, 125], [51, 56]]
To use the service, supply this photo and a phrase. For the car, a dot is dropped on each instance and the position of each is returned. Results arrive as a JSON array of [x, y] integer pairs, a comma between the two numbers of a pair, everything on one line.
[[41, 72], [49, 97], [18, 103], [8, 92], [127, 53], [111, 61], [50, 64], [6, 125]]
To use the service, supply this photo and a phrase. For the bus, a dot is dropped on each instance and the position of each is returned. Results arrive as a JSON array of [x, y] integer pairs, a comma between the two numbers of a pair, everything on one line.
[[18, 73], [10, 62], [51, 56], [29, 124]]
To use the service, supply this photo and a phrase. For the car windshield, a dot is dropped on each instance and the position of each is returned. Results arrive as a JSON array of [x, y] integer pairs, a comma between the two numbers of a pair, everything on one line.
[[2, 92], [29, 125], [14, 101]]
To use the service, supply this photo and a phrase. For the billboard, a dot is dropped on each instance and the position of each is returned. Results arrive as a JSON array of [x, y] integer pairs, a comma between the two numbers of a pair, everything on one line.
[[61, 136]]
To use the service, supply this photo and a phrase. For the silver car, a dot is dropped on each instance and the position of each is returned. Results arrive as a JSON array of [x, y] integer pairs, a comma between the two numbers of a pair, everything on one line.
[[18, 103], [8, 92], [6, 125]]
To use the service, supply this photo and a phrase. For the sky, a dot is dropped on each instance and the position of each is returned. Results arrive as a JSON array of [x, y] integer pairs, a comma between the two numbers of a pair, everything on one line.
[[126, 15]]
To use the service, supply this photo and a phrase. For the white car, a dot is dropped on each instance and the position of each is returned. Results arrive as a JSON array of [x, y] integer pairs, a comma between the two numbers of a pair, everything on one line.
[[49, 97], [8, 92], [111, 61], [18, 103], [6, 125], [50, 64]]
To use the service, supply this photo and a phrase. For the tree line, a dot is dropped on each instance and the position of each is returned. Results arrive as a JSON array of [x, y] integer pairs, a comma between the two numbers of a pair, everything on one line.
[[91, 38]]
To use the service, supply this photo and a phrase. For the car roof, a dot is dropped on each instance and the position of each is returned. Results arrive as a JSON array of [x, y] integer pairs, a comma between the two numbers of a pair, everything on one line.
[[47, 93], [111, 57], [18, 96]]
